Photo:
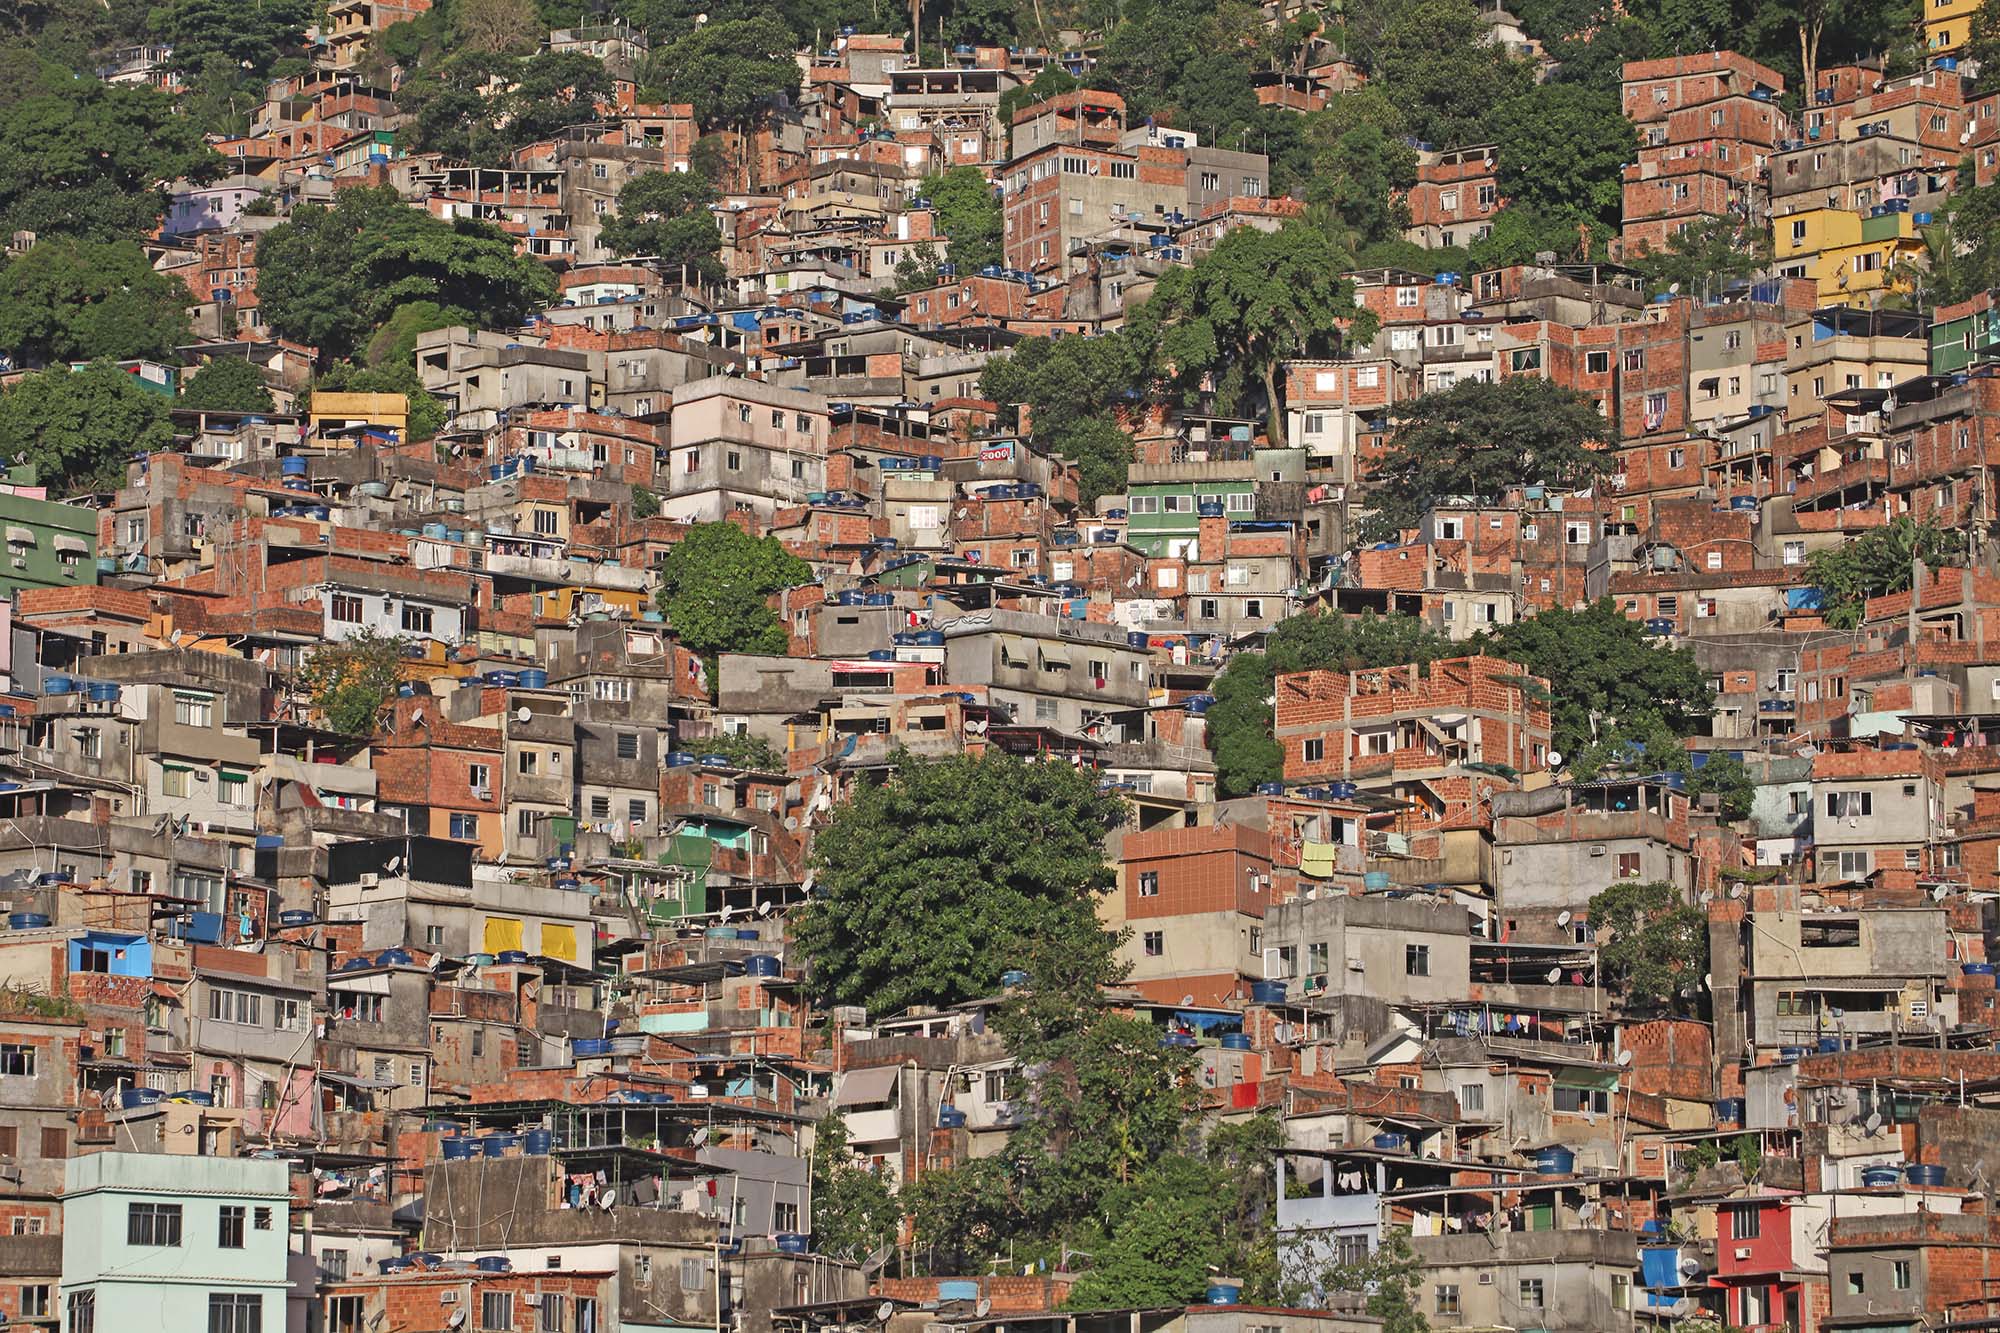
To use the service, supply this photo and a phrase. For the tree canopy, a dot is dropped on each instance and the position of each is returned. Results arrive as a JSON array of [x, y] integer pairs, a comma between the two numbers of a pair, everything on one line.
[[726, 69], [968, 215], [853, 1213], [1605, 676], [79, 428], [330, 276], [1881, 560], [1224, 324], [932, 884], [90, 159], [74, 299], [1652, 947], [1706, 257], [227, 384], [665, 215], [1073, 388], [1562, 150], [713, 586], [352, 681], [1480, 437], [251, 36]]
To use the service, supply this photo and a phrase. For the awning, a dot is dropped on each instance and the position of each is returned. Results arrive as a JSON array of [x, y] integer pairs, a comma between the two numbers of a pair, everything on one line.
[[65, 542], [365, 1084], [867, 1087], [20, 536], [1053, 655]]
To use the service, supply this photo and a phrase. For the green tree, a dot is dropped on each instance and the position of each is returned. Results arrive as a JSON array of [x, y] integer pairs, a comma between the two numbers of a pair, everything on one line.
[[227, 384], [91, 159], [645, 502], [1165, 1240], [70, 299], [1879, 561], [1964, 244], [1238, 724], [78, 428], [713, 587], [745, 749], [550, 93], [963, 1216], [1257, 299], [1392, 1280], [1436, 64], [1477, 439], [728, 70], [330, 276], [1652, 947], [1073, 388], [666, 215], [250, 36], [1562, 152], [1604, 674], [1358, 180], [968, 215], [932, 884], [1983, 39], [1519, 234], [853, 1213], [1724, 776], [1704, 258], [352, 681]]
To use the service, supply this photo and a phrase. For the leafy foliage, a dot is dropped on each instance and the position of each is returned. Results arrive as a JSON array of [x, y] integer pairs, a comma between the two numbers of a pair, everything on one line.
[[745, 749], [350, 682], [252, 36], [330, 276], [1725, 777], [71, 299], [1657, 951], [500, 27], [1562, 151], [853, 1213], [1239, 722], [1707, 256], [933, 883], [1073, 388], [727, 69], [665, 215], [78, 428], [1257, 299], [1436, 66], [713, 585], [1480, 437], [1877, 562], [227, 385], [89, 159], [968, 215], [1605, 676], [1391, 1278], [1965, 244]]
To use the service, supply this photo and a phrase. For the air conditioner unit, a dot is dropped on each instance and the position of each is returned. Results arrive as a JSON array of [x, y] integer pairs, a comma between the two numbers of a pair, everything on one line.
[[1597, 850], [1742, 1251], [369, 879], [448, 1296], [1486, 1279], [486, 794], [531, 1299]]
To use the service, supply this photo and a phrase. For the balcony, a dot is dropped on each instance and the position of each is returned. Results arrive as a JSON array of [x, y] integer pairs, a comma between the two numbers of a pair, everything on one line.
[[573, 572]]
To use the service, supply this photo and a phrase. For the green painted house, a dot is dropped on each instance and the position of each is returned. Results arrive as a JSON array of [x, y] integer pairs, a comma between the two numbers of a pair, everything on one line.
[[49, 544], [1965, 334], [1164, 517]]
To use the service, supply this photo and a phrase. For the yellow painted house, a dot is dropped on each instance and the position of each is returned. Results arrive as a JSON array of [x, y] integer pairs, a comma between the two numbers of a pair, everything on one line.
[[1948, 25], [1849, 254]]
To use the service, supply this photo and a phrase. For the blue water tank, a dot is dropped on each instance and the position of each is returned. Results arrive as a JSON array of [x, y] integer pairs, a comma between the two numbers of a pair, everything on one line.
[[1978, 969], [1729, 1111], [57, 685], [296, 917], [1392, 1142], [1224, 1293], [499, 1145], [537, 1142], [534, 679], [292, 467], [950, 1117], [1924, 1173], [1267, 992], [1875, 1177], [1828, 1045], [1270, 789], [791, 1242], [103, 692], [1013, 977], [763, 965], [130, 1097], [393, 958], [494, 1263], [1555, 1160], [588, 1046], [26, 921], [1377, 880], [1235, 1041], [513, 956], [459, 1148]]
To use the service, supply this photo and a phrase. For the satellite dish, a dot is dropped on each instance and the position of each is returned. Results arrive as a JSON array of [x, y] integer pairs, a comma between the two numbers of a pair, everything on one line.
[[604, 1204], [1873, 1122], [456, 1319], [1708, 981], [1555, 975], [723, 915], [1187, 999], [885, 1311], [984, 1308], [1587, 1211], [524, 714], [1555, 758], [1562, 917], [1938, 892], [1624, 1058], [764, 908]]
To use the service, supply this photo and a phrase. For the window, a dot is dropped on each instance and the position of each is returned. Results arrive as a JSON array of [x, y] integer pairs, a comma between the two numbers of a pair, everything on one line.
[[1155, 942], [35, 1301], [1581, 1101], [1314, 750], [174, 780], [1597, 363], [416, 619], [1407, 298], [1857, 1283], [552, 1312], [1628, 865], [1149, 883], [1849, 804], [1899, 1276], [1531, 1293], [1472, 1098], [691, 1276], [194, 710], [234, 789], [346, 608], [465, 827], [17, 1060], [496, 1309], [1798, 233], [1446, 1294], [241, 1007], [83, 1313], [1634, 359], [1748, 1223], [229, 1227], [635, 812], [1416, 960], [153, 1224]]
